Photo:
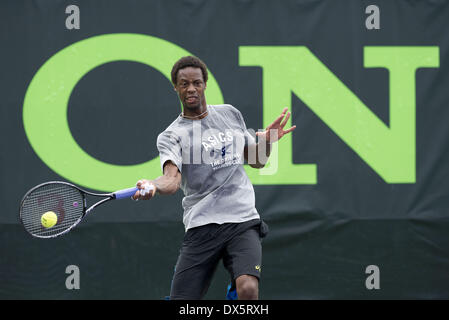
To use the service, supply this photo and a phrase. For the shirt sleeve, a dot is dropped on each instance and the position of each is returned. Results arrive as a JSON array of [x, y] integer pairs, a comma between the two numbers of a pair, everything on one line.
[[169, 146], [249, 138]]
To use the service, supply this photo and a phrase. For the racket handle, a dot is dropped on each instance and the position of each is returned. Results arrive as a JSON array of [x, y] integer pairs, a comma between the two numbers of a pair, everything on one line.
[[125, 193]]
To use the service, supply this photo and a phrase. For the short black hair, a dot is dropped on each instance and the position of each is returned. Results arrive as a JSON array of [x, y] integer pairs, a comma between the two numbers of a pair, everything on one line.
[[185, 62]]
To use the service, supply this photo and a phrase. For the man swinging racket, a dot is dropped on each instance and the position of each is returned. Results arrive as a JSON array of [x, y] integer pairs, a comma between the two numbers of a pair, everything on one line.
[[202, 153]]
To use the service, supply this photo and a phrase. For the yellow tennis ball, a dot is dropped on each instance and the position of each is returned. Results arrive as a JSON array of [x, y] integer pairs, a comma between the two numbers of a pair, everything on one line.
[[49, 219]]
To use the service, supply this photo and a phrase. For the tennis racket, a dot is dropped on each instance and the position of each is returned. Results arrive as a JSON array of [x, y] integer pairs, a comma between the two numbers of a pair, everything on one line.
[[66, 203]]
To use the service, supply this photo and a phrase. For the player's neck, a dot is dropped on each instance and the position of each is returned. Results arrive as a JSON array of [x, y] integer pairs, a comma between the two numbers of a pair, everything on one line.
[[196, 114]]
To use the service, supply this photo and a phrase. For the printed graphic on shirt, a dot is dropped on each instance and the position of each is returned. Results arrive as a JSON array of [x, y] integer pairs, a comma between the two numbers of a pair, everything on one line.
[[221, 149]]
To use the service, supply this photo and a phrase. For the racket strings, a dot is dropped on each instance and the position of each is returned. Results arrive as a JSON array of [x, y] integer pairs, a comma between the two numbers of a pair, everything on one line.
[[65, 201]]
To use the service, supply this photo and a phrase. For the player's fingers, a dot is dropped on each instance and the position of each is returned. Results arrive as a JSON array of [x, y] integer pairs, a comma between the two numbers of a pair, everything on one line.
[[143, 193], [285, 120], [136, 195], [151, 190], [145, 196], [147, 190], [279, 119], [289, 130], [149, 194]]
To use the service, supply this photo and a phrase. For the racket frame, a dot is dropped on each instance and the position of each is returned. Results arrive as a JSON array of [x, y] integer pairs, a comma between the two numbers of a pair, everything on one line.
[[109, 196]]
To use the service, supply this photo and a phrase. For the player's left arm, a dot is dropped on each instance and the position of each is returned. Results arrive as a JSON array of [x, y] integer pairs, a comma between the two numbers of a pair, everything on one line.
[[274, 132]]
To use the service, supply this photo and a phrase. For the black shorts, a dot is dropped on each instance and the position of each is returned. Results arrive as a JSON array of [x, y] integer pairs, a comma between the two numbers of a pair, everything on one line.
[[238, 244]]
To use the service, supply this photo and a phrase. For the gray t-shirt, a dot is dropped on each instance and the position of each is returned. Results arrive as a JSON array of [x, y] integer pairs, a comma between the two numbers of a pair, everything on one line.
[[209, 154]]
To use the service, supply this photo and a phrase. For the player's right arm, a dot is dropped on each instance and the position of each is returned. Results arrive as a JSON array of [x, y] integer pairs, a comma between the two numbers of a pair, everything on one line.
[[169, 183]]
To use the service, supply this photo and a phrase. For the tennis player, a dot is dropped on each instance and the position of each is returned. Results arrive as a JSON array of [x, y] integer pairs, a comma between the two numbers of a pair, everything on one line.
[[203, 152]]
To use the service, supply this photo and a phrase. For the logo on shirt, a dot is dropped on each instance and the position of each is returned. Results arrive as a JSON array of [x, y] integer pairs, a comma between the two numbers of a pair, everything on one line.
[[219, 148], [217, 140], [223, 151]]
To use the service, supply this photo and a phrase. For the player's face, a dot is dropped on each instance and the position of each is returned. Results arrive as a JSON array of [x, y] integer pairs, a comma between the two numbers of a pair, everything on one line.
[[190, 87]]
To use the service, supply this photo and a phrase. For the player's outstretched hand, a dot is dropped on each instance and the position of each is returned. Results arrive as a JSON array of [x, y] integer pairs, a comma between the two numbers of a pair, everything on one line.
[[146, 191], [276, 128]]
